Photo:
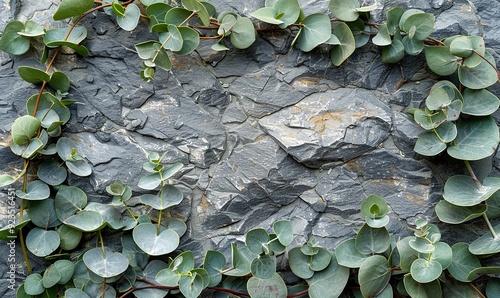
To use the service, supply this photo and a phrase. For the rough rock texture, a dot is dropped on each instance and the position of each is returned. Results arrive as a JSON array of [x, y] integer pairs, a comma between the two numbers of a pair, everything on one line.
[[266, 133]]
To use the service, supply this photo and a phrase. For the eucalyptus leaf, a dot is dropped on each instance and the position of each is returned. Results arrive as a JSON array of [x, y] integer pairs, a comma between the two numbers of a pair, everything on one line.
[[463, 262], [394, 52], [70, 238], [289, 11], [52, 173], [284, 232], [422, 290], [86, 221], [214, 263], [299, 263], [33, 284], [191, 286], [345, 10], [348, 255], [190, 38], [341, 52], [242, 33], [241, 261], [6, 180], [440, 60], [146, 236], [478, 272], [481, 76], [492, 287], [35, 190], [372, 240], [105, 262], [265, 288], [48, 102], [255, 239], [383, 37], [41, 242], [33, 75], [11, 41], [406, 253], [59, 81], [72, 8], [316, 29], [424, 271], [171, 40], [477, 138], [486, 244], [24, 128], [68, 201], [479, 102], [130, 19], [374, 275], [422, 22], [263, 266], [453, 214], [268, 15], [42, 214], [329, 282]]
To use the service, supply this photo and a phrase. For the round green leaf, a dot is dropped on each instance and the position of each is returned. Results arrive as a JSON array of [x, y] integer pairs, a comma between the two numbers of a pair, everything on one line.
[[477, 138], [129, 20], [52, 173], [42, 214], [226, 24], [453, 214], [478, 272], [374, 206], [461, 47], [300, 263], [263, 266], [6, 180], [48, 102], [183, 263], [394, 52], [69, 200], [146, 236], [406, 253], [477, 55], [461, 190], [241, 260], [344, 10], [480, 76], [288, 12], [479, 102], [422, 245], [242, 33], [214, 263], [372, 240], [70, 238], [424, 271], [24, 128], [33, 284], [283, 231], [393, 16], [58, 273], [383, 37], [58, 37], [169, 196], [422, 22], [29, 150], [191, 286], [255, 239], [329, 282], [463, 262], [268, 15], [413, 46], [341, 52], [59, 81], [33, 75], [168, 277], [347, 255], [41, 242], [373, 276], [105, 263], [175, 224], [422, 290], [493, 287], [486, 244], [66, 148], [86, 221], [266, 288], [79, 167], [321, 259], [35, 190], [75, 293], [440, 60], [360, 31], [199, 8], [72, 8], [428, 144], [190, 38], [11, 41], [316, 29]]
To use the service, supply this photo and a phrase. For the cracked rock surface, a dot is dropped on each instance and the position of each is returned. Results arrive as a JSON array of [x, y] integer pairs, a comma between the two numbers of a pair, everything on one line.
[[266, 133]]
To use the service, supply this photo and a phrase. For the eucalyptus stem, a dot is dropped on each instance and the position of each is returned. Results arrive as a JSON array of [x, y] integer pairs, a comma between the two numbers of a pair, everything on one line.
[[490, 227], [472, 175]]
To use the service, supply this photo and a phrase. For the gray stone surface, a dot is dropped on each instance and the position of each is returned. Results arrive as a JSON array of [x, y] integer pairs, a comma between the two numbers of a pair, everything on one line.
[[266, 133]]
